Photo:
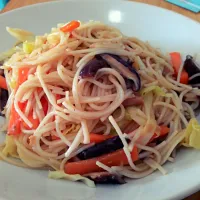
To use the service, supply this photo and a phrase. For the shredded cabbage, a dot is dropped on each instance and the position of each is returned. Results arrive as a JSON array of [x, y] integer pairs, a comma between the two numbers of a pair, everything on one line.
[[8, 53], [156, 90], [132, 112], [10, 148], [192, 134], [21, 35], [76, 177], [28, 47], [147, 132]]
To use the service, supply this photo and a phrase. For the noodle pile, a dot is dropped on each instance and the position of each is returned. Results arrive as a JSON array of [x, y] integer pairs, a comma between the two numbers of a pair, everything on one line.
[[78, 107]]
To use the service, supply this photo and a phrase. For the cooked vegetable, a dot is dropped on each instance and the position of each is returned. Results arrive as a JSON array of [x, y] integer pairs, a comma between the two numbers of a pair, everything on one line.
[[132, 112], [22, 75], [192, 134], [164, 130], [184, 77], [97, 138], [14, 125], [7, 54], [10, 148], [176, 63], [3, 83], [77, 177], [124, 68], [88, 166], [105, 178], [101, 148], [35, 122], [28, 47], [130, 75], [3, 99], [92, 67], [156, 90], [3, 91], [192, 68], [21, 35], [14, 122], [70, 26]]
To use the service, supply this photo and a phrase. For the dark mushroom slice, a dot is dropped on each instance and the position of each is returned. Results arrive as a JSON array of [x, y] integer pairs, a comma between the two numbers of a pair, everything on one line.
[[105, 178], [91, 68], [101, 148], [3, 100], [125, 68], [192, 68], [3, 95]]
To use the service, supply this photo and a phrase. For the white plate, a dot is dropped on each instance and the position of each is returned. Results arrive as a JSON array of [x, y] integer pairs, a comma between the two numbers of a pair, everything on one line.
[[164, 29]]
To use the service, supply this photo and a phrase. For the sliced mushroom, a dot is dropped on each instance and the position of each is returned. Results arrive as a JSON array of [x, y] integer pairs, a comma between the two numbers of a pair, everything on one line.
[[3, 100], [105, 147], [125, 68], [92, 67], [192, 68], [105, 178]]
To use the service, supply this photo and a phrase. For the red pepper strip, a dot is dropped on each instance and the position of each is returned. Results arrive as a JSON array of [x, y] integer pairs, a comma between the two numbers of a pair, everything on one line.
[[22, 75], [35, 122], [14, 123], [184, 77], [94, 138], [97, 138], [116, 158], [70, 26], [14, 126], [15, 120], [163, 131], [176, 63], [3, 83]]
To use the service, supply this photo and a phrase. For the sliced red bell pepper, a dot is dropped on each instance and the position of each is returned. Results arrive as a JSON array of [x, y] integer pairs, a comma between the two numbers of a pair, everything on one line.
[[97, 138], [14, 126], [70, 26], [164, 130], [35, 122], [116, 158], [3, 83], [176, 63]]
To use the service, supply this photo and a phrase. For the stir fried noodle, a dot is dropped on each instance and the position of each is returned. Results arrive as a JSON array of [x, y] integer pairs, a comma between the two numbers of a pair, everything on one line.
[[67, 88]]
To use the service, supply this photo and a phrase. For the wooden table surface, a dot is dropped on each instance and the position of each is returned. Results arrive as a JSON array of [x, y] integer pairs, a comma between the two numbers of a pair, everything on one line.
[[160, 3]]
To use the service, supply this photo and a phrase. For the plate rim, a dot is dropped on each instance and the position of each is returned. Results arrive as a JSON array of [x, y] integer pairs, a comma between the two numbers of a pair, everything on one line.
[[102, 1]]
